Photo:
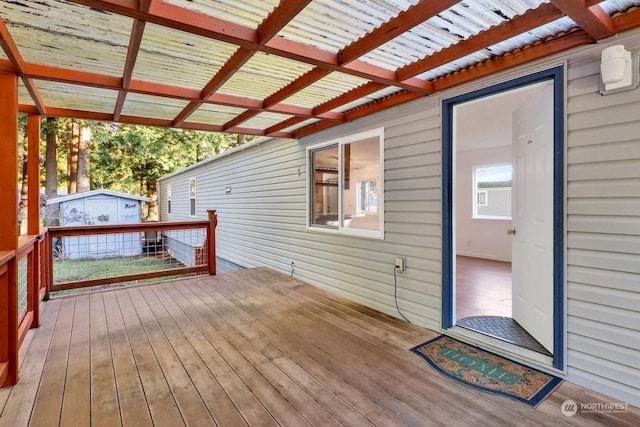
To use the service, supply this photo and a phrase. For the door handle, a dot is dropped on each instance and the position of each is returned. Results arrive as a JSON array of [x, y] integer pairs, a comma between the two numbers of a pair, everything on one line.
[[511, 231]]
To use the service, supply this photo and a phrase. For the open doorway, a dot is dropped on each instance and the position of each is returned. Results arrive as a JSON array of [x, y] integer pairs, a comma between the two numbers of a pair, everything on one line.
[[502, 203]]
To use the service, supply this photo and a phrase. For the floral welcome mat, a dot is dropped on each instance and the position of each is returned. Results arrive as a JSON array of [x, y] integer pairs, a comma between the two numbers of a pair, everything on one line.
[[487, 371]]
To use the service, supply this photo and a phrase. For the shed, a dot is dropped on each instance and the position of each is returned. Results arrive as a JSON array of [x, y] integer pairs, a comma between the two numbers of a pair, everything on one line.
[[100, 207]]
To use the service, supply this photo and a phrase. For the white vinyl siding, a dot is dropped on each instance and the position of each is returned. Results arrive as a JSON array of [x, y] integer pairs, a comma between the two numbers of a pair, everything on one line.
[[262, 220], [603, 234]]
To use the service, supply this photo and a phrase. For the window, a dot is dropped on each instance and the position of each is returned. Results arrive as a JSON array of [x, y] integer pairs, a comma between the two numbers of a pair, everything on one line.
[[168, 198], [492, 191], [345, 193], [192, 197]]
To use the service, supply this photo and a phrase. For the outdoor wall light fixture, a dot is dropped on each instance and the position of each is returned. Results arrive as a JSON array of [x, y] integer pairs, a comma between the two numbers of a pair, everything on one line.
[[619, 70], [227, 190]]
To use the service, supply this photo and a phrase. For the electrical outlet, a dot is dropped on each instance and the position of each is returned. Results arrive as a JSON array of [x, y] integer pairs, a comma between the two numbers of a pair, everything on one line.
[[400, 263]]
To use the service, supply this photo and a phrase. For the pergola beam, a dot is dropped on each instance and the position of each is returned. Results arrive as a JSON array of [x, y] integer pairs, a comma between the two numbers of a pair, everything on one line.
[[132, 54], [276, 21], [529, 20], [193, 22], [519, 57], [413, 16], [593, 20], [12, 52]]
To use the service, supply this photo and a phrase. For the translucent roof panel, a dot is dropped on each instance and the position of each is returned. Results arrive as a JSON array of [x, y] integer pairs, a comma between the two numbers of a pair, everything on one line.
[[214, 114], [49, 34], [249, 13], [457, 23], [178, 58], [263, 75], [332, 25], [152, 106], [614, 6], [381, 94], [552, 29], [323, 90], [264, 120], [67, 96], [301, 125], [23, 94]]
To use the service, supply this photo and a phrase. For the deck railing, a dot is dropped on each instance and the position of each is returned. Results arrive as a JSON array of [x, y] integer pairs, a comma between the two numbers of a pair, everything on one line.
[[21, 288], [94, 255]]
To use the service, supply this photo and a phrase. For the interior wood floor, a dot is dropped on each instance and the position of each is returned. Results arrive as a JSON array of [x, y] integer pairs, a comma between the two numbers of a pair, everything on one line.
[[251, 347], [483, 287]]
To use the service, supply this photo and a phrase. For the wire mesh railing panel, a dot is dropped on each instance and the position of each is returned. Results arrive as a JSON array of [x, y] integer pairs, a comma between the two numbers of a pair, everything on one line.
[[22, 287], [98, 256]]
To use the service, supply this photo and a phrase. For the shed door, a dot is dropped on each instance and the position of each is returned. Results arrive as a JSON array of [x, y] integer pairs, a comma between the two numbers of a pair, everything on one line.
[[104, 211]]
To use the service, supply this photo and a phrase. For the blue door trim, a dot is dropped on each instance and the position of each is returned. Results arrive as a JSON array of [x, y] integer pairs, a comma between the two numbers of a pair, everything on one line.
[[557, 75]]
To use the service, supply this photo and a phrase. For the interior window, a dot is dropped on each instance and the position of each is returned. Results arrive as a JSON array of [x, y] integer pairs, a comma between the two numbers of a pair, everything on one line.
[[492, 191], [192, 197]]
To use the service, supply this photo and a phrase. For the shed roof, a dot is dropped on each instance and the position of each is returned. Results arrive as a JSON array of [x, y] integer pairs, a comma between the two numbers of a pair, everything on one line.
[[100, 192], [276, 68]]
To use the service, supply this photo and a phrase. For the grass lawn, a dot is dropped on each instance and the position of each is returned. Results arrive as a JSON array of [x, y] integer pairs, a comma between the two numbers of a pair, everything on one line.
[[65, 271]]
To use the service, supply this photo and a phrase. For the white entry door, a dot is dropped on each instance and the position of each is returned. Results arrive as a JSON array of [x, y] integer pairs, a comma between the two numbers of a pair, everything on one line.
[[532, 216]]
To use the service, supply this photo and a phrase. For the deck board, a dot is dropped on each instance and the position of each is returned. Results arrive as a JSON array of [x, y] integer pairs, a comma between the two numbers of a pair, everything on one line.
[[253, 348]]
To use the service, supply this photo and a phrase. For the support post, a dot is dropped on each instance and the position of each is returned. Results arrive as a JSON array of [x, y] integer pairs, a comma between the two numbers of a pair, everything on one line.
[[9, 223], [211, 241], [33, 215]]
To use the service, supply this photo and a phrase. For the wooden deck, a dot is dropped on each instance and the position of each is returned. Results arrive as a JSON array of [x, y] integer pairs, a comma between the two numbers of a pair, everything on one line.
[[252, 347]]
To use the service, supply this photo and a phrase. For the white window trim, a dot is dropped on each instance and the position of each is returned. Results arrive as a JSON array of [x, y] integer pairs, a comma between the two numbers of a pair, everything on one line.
[[194, 198], [372, 234], [169, 202], [474, 191]]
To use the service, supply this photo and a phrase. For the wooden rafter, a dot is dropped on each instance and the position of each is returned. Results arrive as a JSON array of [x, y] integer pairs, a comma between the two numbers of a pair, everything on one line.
[[132, 54], [189, 21], [520, 57], [593, 20], [412, 17], [278, 19], [12, 52], [529, 20]]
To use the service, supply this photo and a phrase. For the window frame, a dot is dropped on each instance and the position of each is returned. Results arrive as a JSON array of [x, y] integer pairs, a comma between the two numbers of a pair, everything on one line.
[[340, 143], [168, 199], [192, 197], [474, 191]]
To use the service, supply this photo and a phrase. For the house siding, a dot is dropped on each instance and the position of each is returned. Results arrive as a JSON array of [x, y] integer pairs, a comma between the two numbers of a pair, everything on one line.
[[263, 220], [603, 233]]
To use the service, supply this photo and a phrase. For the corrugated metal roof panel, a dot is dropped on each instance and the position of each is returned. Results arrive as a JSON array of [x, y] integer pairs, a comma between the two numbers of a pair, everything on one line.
[[325, 89], [263, 75], [71, 37], [249, 13], [265, 120], [90, 99], [152, 106], [178, 58], [214, 114]]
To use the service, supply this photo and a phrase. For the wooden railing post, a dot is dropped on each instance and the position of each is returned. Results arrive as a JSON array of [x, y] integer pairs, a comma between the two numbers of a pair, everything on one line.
[[33, 216], [211, 241], [9, 224], [48, 265]]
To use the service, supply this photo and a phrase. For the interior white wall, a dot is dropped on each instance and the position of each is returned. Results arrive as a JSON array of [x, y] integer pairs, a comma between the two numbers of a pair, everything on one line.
[[482, 137], [481, 238]]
